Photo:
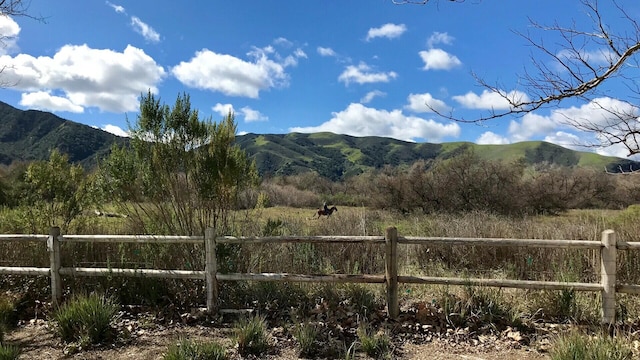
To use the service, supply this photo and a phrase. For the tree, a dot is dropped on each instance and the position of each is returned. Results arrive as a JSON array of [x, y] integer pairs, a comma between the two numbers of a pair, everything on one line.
[[581, 66], [181, 173], [54, 191]]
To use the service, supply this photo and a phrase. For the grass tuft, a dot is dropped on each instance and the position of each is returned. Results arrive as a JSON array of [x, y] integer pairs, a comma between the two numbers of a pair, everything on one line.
[[86, 319], [307, 336], [576, 345], [374, 345], [9, 352], [251, 335], [190, 350]]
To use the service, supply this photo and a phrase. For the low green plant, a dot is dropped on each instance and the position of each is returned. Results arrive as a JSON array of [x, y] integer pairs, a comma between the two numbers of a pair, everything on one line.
[[7, 316], [307, 336], [375, 345], [86, 319], [9, 352], [189, 350], [250, 333], [576, 345]]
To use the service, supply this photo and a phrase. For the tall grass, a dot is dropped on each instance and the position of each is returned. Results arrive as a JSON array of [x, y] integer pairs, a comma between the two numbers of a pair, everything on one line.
[[576, 345]]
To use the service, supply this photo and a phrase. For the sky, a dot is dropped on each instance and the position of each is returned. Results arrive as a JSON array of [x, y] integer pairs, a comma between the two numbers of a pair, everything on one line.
[[356, 67]]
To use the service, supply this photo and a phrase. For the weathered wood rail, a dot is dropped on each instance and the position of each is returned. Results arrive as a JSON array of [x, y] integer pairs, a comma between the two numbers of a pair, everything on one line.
[[607, 247]]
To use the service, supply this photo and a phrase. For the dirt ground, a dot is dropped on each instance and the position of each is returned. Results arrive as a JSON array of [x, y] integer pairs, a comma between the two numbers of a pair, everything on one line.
[[150, 342]]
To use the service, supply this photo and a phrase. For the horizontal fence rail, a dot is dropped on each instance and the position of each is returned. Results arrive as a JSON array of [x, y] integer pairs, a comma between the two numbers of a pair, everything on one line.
[[607, 247]]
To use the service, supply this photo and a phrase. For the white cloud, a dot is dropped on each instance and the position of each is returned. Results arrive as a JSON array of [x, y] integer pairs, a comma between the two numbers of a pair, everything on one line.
[[9, 30], [389, 31], [439, 38], [251, 115], [323, 51], [491, 138], [117, 8], [115, 130], [363, 74], [600, 112], [531, 125], [232, 76], [359, 120], [106, 79], [283, 42], [145, 30], [438, 59], [223, 109], [299, 53], [42, 100], [421, 103], [371, 95], [490, 100], [565, 139]]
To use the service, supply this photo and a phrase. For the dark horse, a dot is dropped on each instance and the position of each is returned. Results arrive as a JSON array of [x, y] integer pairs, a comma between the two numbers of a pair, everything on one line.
[[327, 212]]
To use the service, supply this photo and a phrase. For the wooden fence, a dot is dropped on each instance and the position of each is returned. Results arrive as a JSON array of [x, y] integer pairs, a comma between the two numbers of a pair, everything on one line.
[[607, 247]]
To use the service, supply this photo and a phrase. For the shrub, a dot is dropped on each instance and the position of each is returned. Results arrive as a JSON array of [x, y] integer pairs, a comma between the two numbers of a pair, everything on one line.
[[375, 345], [9, 352], [579, 346], [189, 350], [251, 335], [86, 319]]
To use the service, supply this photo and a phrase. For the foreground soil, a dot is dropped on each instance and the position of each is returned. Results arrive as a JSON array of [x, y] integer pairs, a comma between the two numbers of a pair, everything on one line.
[[150, 341]]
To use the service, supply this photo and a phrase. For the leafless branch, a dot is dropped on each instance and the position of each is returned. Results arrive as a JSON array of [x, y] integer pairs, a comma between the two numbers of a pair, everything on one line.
[[576, 73]]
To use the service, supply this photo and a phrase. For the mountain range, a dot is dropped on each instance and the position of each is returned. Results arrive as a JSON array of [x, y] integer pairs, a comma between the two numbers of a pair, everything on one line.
[[28, 135]]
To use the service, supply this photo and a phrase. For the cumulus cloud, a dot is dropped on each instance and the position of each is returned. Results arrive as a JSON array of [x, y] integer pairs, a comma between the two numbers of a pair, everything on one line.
[[491, 138], [43, 100], [85, 77], [371, 95], [251, 115], [324, 51], [232, 76], [531, 125], [144, 29], [421, 103], [115, 130], [223, 109], [438, 59], [363, 74], [389, 31], [9, 30], [439, 38], [565, 139], [359, 120], [490, 100]]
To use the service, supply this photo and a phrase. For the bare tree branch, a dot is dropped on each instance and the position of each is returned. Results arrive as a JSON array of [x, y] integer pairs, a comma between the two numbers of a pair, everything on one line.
[[576, 72]]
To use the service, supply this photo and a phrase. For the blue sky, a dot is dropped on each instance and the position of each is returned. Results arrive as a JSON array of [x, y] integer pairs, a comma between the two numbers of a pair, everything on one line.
[[357, 67]]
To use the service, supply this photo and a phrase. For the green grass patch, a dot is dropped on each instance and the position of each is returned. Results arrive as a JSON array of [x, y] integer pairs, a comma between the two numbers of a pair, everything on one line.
[[86, 319], [250, 333], [576, 345], [9, 352], [191, 350]]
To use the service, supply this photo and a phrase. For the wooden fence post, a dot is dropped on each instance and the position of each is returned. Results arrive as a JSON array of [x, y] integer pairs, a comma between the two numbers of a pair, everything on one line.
[[211, 269], [391, 271], [608, 276], [53, 247]]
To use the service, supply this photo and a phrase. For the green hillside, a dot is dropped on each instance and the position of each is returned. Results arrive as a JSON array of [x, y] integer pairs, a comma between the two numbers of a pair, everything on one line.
[[339, 156], [31, 135]]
